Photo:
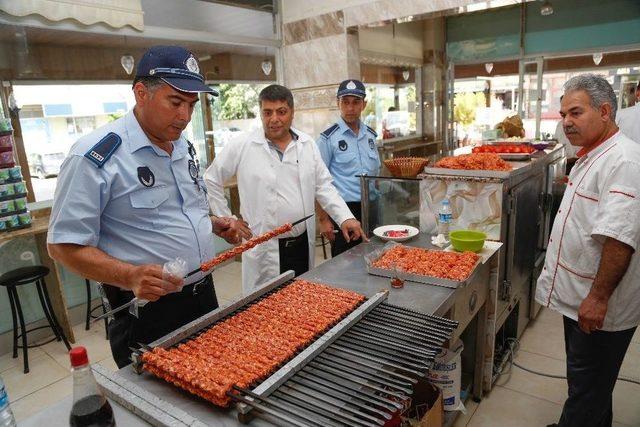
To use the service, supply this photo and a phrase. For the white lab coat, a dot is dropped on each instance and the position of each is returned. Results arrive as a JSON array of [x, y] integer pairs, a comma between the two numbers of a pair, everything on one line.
[[249, 157], [602, 200], [628, 120]]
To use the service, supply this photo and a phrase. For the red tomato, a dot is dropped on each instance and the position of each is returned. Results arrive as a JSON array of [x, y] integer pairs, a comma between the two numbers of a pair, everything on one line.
[[476, 150]]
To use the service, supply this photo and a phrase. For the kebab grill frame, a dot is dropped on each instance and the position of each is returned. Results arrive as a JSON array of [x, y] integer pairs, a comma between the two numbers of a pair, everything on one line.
[[366, 321]]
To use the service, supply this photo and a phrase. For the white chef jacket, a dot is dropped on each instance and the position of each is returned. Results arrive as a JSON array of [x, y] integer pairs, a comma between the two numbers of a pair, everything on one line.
[[249, 157], [602, 200], [628, 120]]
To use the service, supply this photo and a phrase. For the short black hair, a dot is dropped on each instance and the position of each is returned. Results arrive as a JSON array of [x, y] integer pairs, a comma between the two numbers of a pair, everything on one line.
[[276, 93], [150, 83]]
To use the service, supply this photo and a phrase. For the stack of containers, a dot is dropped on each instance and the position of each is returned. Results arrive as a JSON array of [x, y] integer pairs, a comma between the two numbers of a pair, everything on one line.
[[13, 191]]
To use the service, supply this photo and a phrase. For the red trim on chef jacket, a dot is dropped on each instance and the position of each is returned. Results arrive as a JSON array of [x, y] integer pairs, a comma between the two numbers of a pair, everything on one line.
[[587, 197], [553, 281], [576, 273], [624, 194]]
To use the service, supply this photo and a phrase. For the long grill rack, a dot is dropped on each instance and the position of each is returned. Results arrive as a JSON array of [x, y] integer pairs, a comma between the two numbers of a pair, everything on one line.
[[362, 372], [365, 377]]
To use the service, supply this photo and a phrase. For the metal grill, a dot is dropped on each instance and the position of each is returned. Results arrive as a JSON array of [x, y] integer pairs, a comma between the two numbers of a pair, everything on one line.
[[361, 372], [363, 378]]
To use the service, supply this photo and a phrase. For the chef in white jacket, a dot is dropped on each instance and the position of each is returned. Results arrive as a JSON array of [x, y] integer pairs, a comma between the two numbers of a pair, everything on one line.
[[280, 173]]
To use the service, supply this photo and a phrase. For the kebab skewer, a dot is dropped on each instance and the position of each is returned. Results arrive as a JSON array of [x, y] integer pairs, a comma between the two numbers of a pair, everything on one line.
[[251, 243]]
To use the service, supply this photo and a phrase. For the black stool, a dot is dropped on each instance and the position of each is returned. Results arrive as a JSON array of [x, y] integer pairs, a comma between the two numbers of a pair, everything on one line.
[[90, 310], [23, 276]]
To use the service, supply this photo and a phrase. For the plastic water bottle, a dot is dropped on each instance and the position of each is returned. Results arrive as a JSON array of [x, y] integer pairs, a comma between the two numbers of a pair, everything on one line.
[[176, 267], [444, 218], [6, 416]]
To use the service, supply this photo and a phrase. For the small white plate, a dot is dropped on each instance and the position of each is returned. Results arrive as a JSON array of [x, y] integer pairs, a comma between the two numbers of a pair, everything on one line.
[[381, 230]]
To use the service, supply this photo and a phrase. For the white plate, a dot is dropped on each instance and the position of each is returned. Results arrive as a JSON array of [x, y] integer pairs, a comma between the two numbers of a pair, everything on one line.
[[380, 232]]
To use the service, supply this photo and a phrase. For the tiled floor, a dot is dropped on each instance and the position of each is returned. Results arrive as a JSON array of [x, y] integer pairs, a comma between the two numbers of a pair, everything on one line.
[[519, 399]]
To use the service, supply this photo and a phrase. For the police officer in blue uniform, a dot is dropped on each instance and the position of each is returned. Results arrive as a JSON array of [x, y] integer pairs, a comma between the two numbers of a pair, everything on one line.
[[130, 198], [348, 148]]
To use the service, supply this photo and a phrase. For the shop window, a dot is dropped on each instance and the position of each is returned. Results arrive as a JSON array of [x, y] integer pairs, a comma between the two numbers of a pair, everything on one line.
[[50, 128], [235, 110], [391, 110]]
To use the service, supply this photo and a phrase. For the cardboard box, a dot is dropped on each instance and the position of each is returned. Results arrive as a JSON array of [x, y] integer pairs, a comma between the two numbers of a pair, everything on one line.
[[434, 417]]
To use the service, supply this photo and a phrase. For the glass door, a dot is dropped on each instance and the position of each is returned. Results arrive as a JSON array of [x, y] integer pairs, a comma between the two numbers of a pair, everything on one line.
[[530, 95]]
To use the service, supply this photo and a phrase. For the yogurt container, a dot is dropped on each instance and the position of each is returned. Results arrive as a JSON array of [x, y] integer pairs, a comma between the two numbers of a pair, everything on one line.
[[5, 125], [7, 206], [4, 175], [6, 158], [6, 140], [15, 173], [20, 188], [6, 190], [11, 221], [21, 203], [24, 218]]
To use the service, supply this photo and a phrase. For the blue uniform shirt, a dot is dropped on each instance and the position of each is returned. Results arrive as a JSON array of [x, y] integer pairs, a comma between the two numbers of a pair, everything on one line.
[[347, 155], [143, 206]]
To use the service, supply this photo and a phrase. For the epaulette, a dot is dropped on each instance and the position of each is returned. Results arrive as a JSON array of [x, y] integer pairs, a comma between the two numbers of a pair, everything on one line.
[[104, 149], [372, 131], [328, 132]]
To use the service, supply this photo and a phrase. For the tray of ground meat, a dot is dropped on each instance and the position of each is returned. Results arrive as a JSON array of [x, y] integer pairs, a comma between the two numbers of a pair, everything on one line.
[[434, 267], [488, 165]]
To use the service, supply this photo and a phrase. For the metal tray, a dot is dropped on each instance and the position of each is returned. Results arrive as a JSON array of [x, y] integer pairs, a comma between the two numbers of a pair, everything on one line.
[[468, 173], [515, 156], [418, 278]]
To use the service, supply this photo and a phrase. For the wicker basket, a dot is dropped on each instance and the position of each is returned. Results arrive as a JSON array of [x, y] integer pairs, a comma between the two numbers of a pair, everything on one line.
[[406, 167]]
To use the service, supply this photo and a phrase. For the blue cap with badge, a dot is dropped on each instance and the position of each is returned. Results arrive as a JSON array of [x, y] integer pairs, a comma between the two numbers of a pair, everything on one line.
[[352, 88], [176, 66]]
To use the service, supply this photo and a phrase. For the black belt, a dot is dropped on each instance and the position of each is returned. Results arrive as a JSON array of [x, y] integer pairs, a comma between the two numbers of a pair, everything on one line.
[[294, 241], [194, 286]]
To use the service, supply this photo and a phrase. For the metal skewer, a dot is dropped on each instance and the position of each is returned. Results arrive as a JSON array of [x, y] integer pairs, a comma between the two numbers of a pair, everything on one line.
[[292, 224]]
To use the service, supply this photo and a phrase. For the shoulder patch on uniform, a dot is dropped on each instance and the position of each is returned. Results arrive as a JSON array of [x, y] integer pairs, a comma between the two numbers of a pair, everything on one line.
[[104, 149], [328, 132], [372, 131]]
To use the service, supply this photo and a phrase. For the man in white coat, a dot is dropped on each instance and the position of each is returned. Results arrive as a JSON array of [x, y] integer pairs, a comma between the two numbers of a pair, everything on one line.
[[628, 120], [591, 273], [280, 173]]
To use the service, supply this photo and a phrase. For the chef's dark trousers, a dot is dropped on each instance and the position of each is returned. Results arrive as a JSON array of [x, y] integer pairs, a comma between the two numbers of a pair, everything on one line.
[[593, 363], [294, 254], [156, 319]]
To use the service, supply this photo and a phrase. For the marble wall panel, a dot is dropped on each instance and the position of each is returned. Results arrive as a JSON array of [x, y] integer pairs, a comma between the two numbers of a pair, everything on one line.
[[313, 122], [382, 10], [320, 62], [315, 27], [315, 98]]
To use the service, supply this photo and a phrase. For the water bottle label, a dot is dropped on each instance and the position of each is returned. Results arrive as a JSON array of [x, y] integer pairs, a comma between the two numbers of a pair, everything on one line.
[[445, 218], [4, 399]]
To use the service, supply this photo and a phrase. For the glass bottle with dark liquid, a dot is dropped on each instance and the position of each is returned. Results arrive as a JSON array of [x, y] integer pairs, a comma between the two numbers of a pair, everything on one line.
[[90, 407]]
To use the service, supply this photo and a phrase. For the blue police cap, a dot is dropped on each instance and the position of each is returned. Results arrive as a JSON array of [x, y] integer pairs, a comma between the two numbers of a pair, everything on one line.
[[352, 88], [176, 66]]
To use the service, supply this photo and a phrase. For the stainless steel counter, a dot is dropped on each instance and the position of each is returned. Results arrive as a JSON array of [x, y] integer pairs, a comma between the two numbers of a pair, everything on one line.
[[345, 271]]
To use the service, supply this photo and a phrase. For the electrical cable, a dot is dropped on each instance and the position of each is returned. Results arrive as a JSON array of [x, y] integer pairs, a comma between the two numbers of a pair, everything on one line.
[[514, 345]]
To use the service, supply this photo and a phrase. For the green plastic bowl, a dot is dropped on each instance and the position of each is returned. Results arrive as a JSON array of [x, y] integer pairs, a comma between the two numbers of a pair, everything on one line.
[[467, 240]]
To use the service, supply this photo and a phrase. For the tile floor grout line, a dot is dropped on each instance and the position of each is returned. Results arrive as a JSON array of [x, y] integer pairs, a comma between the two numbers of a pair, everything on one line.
[[40, 389], [541, 354], [530, 395]]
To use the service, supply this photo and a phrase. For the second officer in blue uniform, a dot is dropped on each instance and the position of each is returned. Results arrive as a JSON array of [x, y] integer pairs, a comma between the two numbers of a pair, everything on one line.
[[130, 198], [348, 148]]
